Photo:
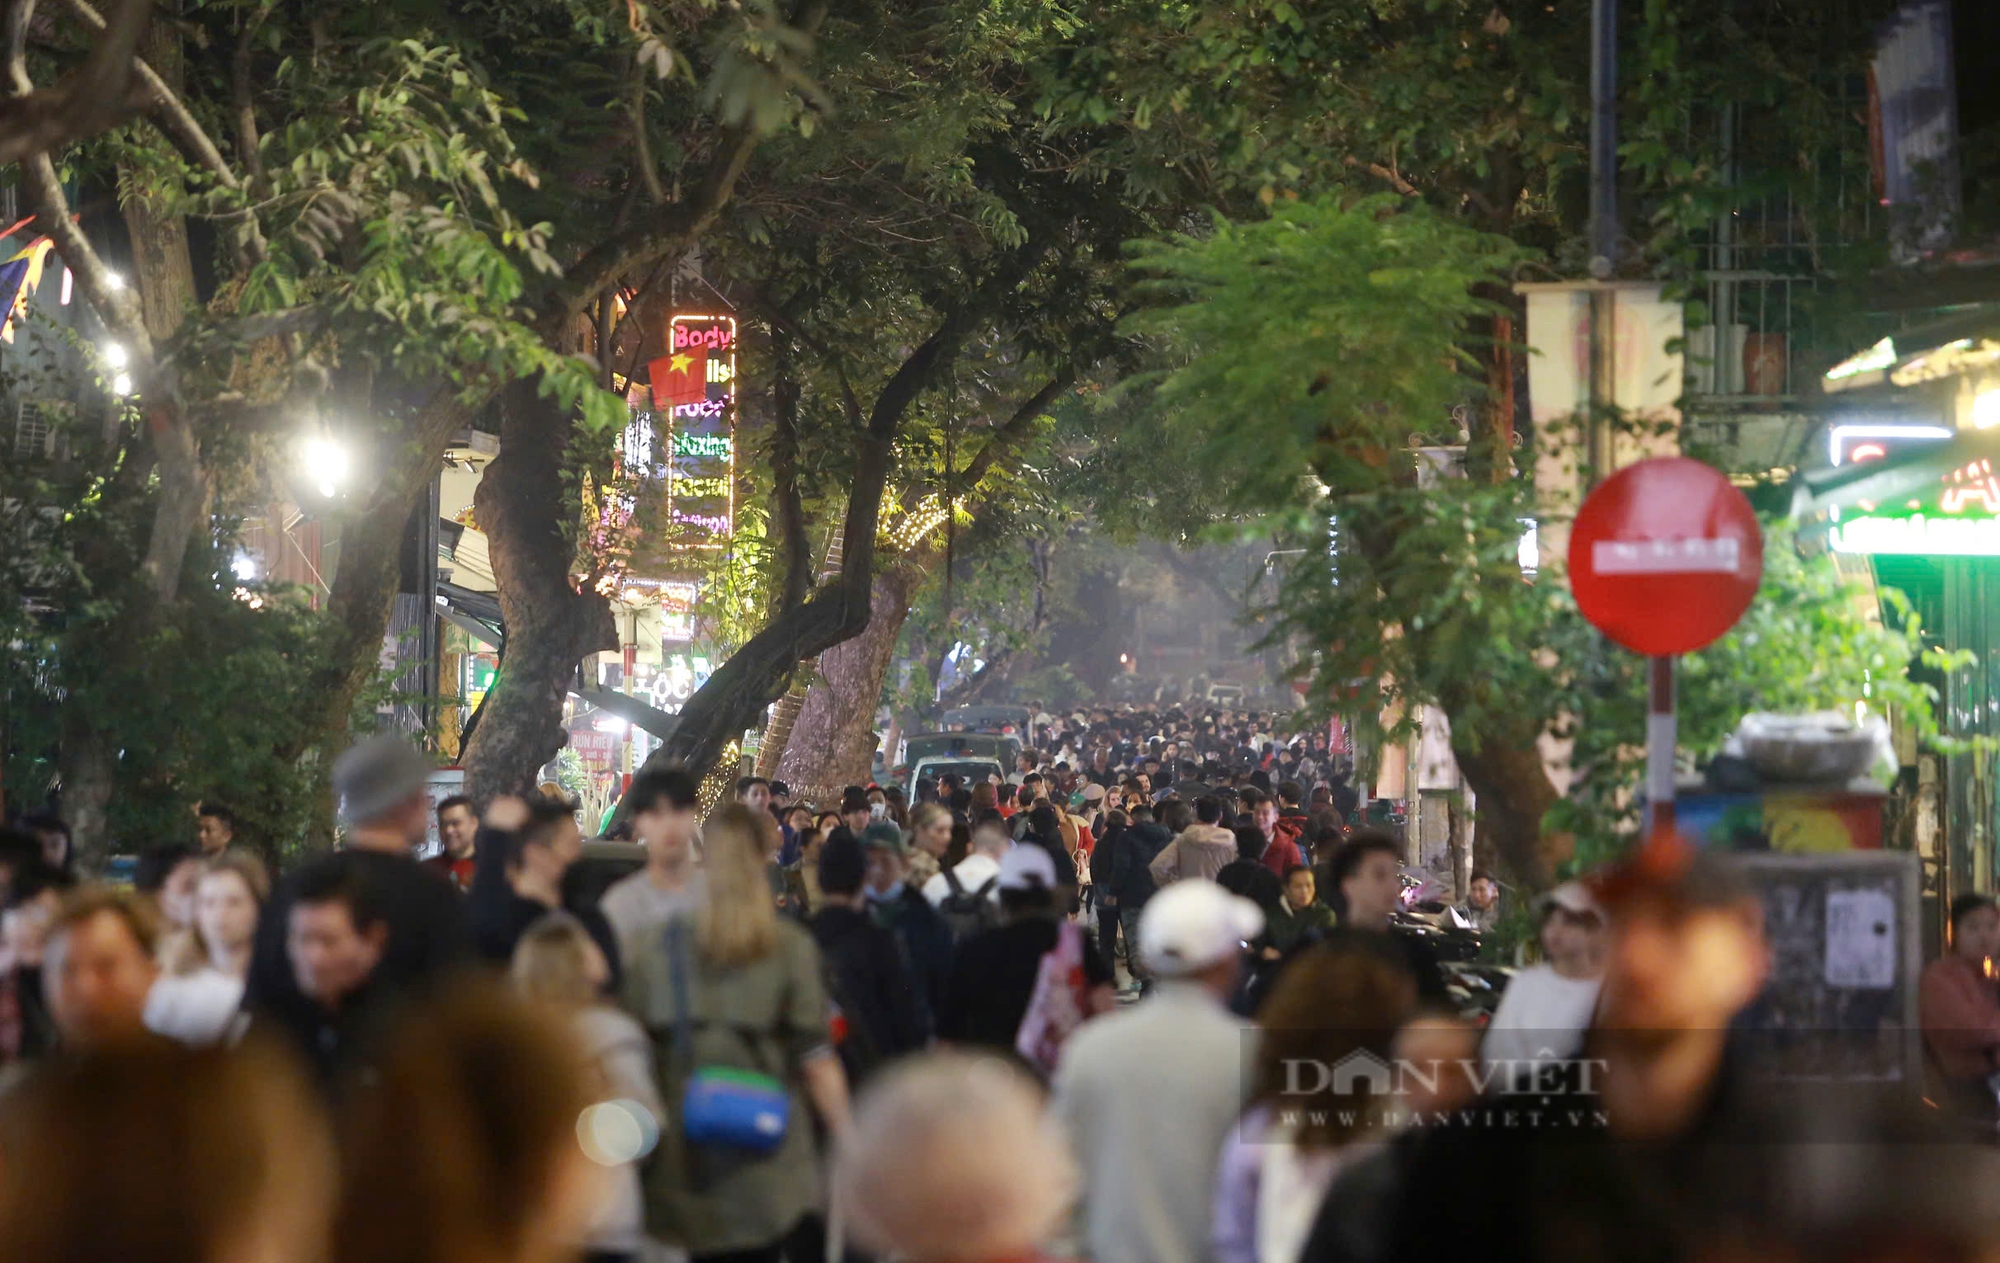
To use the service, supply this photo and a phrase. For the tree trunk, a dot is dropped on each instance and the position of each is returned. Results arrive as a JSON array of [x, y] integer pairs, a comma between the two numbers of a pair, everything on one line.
[[522, 504], [1513, 792], [164, 276], [89, 770], [834, 736]]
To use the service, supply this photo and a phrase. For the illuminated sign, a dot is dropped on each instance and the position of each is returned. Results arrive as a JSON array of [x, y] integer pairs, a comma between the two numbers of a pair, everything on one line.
[[677, 598], [1963, 519], [694, 389], [1919, 534]]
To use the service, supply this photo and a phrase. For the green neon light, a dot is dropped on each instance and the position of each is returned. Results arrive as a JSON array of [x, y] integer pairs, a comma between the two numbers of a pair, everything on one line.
[[1918, 535]]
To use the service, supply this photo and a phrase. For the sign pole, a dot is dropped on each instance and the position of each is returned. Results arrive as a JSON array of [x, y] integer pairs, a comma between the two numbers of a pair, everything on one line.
[[1661, 734]]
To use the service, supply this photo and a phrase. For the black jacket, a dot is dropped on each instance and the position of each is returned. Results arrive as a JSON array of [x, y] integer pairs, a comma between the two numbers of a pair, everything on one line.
[[872, 986], [427, 941], [1131, 878], [926, 939]]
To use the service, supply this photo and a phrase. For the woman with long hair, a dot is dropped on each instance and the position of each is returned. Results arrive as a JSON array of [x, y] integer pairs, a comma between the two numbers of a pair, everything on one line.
[[930, 838], [1284, 1155], [197, 1002], [558, 964], [464, 1144], [737, 1009]]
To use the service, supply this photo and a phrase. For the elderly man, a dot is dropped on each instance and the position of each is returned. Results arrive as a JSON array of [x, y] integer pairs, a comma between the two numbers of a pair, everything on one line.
[[1148, 1094], [380, 787]]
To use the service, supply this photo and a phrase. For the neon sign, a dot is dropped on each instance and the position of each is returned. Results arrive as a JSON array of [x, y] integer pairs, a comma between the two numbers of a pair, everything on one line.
[[1963, 520], [694, 389]]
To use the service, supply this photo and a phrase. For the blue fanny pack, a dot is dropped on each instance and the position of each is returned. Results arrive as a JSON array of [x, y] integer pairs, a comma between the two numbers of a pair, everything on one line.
[[722, 1106]]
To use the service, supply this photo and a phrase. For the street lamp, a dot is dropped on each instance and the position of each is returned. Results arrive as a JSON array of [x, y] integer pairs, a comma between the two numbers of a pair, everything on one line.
[[326, 462]]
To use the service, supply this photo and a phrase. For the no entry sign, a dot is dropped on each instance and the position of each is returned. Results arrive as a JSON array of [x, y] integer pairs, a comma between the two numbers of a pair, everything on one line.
[[1665, 556]]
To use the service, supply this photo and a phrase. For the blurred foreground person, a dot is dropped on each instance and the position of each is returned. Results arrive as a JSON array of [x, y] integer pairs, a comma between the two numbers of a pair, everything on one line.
[[1303, 1129], [463, 1147], [737, 1009], [558, 963], [1658, 1149], [1148, 1094], [34, 896], [198, 1001], [1960, 1014], [1546, 1009], [101, 963], [1366, 873], [168, 1154], [336, 937], [380, 787], [952, 1158]]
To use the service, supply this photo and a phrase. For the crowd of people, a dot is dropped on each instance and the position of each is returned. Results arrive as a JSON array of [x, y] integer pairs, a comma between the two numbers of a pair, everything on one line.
[[1146, 1001]]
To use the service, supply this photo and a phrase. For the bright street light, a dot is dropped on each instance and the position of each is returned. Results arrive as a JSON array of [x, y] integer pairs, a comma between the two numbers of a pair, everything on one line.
[[115, 355], [326, 461], [121, 384], [114, 280]]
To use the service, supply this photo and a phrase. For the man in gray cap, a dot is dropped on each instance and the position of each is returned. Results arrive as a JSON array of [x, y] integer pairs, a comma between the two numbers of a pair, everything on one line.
[[379, 785]]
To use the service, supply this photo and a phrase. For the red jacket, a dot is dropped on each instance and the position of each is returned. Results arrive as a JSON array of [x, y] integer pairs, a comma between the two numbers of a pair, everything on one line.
[[1283, 854], [1960, 1016]]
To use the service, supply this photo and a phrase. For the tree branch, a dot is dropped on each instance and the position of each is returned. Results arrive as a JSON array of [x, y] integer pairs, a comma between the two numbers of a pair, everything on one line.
[[93, 98], [791, 513], [180, 124], [1381, 172], [249, 147], [1012, 435], [673, 227]]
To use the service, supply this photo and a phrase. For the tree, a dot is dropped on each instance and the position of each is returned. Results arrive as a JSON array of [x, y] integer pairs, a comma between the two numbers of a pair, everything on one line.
[[1329, 332], [375, 267]]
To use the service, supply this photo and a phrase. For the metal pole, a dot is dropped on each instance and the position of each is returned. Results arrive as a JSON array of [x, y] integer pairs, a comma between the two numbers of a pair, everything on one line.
[[1661, 734], [1598, 445], [1603, 138]]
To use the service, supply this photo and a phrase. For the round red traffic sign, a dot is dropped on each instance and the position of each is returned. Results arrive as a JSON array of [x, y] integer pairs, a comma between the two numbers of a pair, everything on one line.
[[1665, 556]]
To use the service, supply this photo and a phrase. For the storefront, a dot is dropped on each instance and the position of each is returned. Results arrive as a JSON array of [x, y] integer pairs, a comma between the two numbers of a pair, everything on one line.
[[1909, 493]]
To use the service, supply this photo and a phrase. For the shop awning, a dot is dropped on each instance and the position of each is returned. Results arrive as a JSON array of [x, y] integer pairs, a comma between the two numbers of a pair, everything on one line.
[[477, 614], [1961, 343], [632, 711]]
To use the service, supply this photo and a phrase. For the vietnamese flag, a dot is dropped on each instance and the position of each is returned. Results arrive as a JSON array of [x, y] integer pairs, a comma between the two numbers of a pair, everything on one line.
[[680, 378]]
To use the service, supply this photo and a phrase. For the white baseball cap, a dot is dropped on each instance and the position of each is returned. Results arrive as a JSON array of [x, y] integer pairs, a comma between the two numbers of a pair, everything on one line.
[[1193, 924], [1026, 866]]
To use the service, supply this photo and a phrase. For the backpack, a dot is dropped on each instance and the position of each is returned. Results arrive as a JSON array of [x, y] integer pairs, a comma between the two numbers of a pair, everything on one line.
[[968, 912]]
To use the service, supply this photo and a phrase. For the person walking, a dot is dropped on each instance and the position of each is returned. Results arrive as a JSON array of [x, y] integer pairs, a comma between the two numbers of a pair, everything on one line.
[[882, 1013], [534, 843], [993, 973], [559, 963], [379, 785], [1547, 1009], [1202, 849], [734, 1002], [665, 818], [922, 933], [1147, 1095]]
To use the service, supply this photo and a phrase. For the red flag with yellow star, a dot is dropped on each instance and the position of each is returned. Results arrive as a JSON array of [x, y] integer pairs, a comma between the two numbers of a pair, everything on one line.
[[680, 378]]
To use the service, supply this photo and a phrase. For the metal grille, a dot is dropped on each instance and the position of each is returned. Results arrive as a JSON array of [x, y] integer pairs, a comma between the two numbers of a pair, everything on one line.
[[33, 436]]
